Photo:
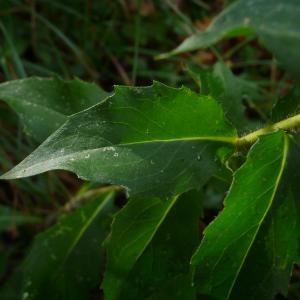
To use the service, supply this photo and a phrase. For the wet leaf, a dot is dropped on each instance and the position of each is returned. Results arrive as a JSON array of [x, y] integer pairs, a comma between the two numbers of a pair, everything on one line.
[[155, 141]]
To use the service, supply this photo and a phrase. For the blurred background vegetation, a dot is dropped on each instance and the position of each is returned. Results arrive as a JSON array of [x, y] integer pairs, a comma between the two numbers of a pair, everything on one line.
[[108, 42]]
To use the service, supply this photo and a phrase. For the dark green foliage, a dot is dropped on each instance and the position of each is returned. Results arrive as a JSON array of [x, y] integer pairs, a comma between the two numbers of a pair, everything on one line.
[[109, 142], [186, 195], [44, 104], [66, 261], [276, 23]]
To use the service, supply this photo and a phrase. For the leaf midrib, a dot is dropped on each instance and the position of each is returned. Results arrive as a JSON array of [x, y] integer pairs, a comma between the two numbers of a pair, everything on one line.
[[229, 140], [83, 230], [277, 182], [155, 229]]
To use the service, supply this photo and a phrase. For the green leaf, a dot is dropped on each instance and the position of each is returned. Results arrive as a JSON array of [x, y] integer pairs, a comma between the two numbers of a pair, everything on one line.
[[10, 218], [155, 140], [248, 251], [65, 262], [150, 246], [11, 287], [274, 21], [287, 106], [228, 90], [176, 289], [44, 104]]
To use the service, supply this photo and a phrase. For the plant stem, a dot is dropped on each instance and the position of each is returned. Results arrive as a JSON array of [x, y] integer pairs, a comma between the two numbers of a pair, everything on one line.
[[287, 124]]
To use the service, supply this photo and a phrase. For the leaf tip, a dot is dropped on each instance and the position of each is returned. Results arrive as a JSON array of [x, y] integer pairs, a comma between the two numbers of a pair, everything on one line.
[[7, 176], [163, 55]]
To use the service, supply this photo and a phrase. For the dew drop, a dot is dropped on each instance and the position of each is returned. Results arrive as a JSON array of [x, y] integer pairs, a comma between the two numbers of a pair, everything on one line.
[[109, 149]]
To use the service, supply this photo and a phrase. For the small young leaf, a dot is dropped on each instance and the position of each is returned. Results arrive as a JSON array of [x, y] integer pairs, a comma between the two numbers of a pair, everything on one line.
[[44, 104], [150, 246], [65, 261], [245, 253], [155, 140]]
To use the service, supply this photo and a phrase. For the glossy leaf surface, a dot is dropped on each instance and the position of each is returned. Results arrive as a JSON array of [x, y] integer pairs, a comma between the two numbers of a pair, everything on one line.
[[250, 248], [154, 140], [150, 246]]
